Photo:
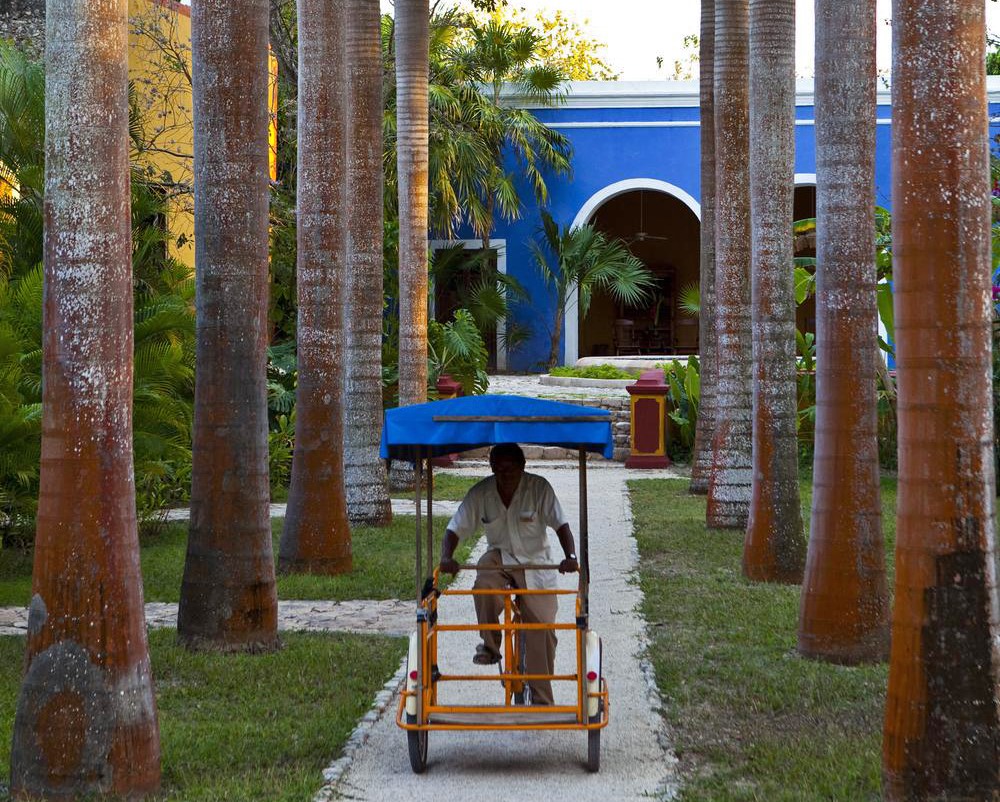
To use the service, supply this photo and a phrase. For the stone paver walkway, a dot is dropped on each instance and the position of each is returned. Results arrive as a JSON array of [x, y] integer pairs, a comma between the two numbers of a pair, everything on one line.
[[388, 617]]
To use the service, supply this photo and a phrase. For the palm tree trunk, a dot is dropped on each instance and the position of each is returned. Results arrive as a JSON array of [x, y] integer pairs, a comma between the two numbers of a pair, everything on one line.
[[364, 473], [557, 328], [701, 461], [844, 611], [729, 482], [775, 548], [942, 739], [86, 717], [317, 537], [412, 65], [228, 599]]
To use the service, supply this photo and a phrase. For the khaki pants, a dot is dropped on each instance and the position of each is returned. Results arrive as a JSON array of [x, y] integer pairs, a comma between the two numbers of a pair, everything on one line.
[[540, 645]]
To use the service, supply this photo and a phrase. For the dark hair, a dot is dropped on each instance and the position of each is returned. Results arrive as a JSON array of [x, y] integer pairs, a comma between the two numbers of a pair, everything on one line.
[[508, 450]]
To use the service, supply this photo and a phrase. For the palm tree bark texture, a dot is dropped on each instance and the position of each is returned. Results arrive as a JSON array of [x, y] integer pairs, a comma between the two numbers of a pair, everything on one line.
[[729, 481], [774, 549], [941, 717], [412, 127], [364, 472], [844, 609], [701, 462], [86, 718], [228, 600], [317, 538]]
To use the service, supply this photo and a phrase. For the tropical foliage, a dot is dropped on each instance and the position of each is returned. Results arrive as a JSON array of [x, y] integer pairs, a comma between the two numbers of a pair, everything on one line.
[[583, 260], [164, 319]]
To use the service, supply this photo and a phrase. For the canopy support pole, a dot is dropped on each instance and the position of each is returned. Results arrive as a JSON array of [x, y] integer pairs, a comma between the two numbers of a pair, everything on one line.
[[584, 534], [418, 477], [430, 517]]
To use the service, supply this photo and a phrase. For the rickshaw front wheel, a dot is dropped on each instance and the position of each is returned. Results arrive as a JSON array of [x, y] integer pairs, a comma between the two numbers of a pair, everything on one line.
[[416, 741]]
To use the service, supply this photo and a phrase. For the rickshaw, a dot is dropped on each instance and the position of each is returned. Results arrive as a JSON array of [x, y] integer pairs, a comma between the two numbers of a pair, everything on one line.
[[423, 432]]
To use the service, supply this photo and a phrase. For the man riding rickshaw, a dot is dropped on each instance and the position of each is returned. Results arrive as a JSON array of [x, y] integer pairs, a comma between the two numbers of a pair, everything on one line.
[[515, 593]]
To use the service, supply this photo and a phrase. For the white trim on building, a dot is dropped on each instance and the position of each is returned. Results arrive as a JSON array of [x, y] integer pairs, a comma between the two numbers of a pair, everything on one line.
[[684, 94]]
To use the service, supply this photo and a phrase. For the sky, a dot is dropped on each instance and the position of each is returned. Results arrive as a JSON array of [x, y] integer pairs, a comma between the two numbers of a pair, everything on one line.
[[637, 31]]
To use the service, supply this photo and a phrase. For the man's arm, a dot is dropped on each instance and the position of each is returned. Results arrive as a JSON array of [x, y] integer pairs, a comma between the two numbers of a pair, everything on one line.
[[570, 565], [448, 564]]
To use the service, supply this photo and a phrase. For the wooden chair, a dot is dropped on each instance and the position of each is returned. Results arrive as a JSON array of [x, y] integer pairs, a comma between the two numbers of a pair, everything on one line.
[[624, 338]]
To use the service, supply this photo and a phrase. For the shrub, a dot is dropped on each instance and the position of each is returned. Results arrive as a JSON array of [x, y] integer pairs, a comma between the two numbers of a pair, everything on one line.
[[595, 372]]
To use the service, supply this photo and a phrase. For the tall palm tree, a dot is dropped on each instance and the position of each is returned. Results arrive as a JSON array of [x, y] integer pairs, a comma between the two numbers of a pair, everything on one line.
[[364, 473], [317, 537], [86, 715], [412, 59], [775, 548], [228, 599], [504, 55], [942, 734], [844, 610], [701, 460], [729, 481]]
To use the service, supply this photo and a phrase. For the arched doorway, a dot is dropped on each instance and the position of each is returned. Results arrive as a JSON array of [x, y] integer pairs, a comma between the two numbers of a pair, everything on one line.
[[660, 224]]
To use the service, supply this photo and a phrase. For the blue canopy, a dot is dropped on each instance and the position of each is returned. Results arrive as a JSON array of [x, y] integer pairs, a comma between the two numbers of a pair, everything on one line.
[[461, 424]]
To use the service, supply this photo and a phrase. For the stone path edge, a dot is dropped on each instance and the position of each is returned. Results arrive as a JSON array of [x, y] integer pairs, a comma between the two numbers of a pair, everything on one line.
[[383, 702]]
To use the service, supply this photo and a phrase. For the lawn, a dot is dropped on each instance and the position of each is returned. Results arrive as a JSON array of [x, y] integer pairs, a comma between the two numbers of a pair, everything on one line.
[[246, 727], [383, 566], [751, 719]]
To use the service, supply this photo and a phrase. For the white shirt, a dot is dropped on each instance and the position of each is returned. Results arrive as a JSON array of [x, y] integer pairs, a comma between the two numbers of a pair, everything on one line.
[[518, 531]]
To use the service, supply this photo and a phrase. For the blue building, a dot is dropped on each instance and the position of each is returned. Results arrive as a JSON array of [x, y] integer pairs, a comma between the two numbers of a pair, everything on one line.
[[636, 176]]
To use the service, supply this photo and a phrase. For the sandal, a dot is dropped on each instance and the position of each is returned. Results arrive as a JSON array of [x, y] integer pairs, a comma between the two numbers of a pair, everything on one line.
[[484, 657]]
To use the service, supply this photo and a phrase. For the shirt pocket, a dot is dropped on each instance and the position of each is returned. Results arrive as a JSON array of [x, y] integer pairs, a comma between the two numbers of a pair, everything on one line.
[[496, 531], [532, 531]]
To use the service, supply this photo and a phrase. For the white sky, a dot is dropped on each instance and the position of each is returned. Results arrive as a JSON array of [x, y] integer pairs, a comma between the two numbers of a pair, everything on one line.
[[637, 31]]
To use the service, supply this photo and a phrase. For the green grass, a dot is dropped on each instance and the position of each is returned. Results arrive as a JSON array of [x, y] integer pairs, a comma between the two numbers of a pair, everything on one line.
[[246, 727], [595, 372], [383, 566], [752, 720], [451, 487]]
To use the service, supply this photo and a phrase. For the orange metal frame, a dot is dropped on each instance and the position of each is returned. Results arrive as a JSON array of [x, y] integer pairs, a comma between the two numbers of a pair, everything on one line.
[[512, 679]]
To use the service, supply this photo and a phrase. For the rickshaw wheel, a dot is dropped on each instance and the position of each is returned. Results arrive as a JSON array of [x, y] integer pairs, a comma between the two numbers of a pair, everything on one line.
[[594, 749], [416, 742]]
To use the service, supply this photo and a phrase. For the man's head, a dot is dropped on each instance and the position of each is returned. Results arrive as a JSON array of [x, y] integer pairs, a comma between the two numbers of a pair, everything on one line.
[[507, 463]]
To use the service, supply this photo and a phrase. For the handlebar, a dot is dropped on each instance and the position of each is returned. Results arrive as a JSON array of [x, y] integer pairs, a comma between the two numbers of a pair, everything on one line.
[[510, 567]]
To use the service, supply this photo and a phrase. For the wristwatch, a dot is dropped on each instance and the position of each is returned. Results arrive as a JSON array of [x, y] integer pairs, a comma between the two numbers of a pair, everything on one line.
[[570, 556]]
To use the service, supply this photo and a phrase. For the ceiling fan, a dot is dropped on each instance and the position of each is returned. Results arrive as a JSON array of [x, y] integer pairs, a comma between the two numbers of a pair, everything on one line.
[[642, 235]]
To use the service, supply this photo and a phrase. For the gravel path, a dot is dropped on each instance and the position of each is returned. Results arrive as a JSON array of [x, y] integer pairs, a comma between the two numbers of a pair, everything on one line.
[[636, 761]]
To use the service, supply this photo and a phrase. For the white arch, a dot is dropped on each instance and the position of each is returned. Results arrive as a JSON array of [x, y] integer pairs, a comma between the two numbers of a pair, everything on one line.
[[602, 196], [594, 202], [805, 179]]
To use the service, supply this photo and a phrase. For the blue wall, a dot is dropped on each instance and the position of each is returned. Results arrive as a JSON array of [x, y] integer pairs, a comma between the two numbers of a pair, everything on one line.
[[666, 148]]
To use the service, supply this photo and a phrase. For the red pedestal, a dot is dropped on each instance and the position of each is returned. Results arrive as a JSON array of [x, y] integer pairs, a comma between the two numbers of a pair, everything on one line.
[[447, 388], [649, 421]]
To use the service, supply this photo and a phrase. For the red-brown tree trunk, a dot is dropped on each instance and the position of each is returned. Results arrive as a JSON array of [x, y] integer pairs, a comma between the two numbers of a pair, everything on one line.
[[942, 739], [775, 547], [364, 472], [86, 715], [228, 599], [412, 127], [844, 610], [701, 461], [317, 537], [729, 481]]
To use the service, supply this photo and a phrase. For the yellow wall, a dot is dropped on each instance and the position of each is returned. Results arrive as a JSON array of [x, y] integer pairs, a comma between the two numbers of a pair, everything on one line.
[[160, 69]]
